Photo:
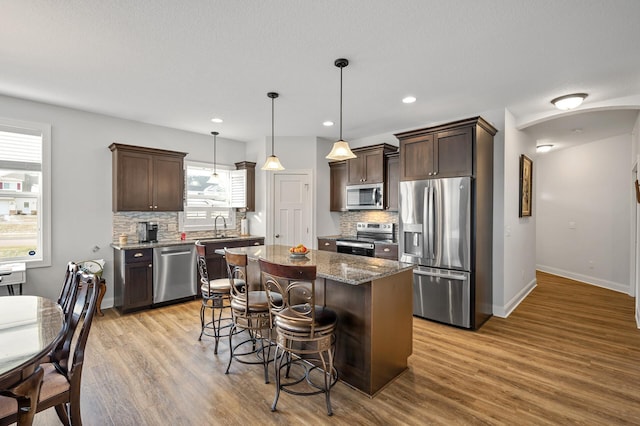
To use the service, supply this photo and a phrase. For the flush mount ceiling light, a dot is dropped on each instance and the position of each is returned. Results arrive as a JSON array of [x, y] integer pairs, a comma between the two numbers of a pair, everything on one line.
[[544, 148], [568, 102], [216, 120], [409, 99], [214, 177], [272, 163], [327, 123], [340, 150]]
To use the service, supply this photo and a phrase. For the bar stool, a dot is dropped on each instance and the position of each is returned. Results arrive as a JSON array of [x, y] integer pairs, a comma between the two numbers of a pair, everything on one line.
[[215, 296], [305, 331], [250, 312]]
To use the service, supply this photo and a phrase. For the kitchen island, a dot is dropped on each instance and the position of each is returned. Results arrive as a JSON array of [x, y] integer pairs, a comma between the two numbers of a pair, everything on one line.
[[373, 300]]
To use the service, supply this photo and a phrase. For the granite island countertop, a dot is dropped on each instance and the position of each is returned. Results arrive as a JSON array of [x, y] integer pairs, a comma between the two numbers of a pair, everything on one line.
[[169, 243], [346, 268]]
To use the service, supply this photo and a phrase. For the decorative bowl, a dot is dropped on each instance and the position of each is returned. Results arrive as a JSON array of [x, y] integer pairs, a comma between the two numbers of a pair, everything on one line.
[[298, 255]]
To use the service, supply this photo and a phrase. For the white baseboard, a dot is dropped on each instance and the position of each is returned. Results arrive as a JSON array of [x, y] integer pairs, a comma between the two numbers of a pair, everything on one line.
[[638, 316], [107, 303], [505, 311], [622, 288]]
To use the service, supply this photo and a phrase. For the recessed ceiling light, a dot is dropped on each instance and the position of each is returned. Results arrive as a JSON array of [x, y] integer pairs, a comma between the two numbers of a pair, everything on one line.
[[409, 99], [216, 120], [327, 123], [567, 102], [544, 148]]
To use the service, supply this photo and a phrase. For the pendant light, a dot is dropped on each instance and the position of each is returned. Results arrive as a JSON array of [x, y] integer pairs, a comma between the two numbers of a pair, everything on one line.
[[272, 164], [340, 150], [214, 177]]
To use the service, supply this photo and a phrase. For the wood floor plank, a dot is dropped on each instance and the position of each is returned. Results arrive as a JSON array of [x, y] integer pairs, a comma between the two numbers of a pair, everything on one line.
[[570, 353]]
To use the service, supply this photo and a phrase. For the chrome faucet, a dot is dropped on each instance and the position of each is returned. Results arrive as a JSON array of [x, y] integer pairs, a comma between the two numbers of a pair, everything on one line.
[[215, 225]]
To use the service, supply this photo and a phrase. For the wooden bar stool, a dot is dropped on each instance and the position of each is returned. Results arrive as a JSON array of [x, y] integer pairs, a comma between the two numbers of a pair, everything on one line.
[[305, 331]]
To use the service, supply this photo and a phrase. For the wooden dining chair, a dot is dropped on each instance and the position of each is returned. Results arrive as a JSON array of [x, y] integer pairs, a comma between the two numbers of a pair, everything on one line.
[[62, 376], [25, 394]]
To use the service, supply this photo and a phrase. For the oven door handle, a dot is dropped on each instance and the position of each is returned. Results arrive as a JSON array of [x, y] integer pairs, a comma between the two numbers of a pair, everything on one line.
[[354, 244]]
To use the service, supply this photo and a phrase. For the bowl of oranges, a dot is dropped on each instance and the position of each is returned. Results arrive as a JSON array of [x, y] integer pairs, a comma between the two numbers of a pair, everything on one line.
[[298, 251]]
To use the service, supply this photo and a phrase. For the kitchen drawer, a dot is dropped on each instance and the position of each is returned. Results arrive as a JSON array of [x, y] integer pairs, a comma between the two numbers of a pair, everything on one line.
[[327, 245], [140, 255], [386, 251]]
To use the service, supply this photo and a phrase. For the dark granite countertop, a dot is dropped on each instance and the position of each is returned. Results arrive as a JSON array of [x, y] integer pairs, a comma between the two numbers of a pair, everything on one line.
[[169, 243], [346, 268]]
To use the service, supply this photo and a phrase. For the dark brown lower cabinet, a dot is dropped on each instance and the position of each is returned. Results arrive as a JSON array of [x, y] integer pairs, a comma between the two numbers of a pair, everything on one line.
[[133, 280]]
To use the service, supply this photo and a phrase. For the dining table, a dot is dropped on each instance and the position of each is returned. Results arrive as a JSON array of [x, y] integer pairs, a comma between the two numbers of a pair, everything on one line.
[[30, 326]]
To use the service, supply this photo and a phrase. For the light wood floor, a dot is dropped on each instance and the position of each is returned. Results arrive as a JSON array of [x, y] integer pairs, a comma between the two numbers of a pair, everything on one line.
[[570, 353]]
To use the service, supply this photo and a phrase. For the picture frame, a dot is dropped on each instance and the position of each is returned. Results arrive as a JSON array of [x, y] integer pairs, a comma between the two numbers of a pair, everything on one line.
[[526, 186]]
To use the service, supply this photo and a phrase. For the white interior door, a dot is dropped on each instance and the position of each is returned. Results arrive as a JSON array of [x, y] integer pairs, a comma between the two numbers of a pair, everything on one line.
[[292, 209]]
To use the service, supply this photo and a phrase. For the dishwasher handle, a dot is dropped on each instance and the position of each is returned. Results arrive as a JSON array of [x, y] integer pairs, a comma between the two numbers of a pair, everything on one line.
[[174, 253]]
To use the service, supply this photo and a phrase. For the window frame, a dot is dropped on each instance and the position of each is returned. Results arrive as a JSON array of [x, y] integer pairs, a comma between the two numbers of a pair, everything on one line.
[[210, 224], [44, 203]]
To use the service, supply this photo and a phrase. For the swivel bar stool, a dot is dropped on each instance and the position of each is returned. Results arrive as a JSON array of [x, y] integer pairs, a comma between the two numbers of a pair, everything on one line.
[[249, 312], [305, 331], [215, 296]]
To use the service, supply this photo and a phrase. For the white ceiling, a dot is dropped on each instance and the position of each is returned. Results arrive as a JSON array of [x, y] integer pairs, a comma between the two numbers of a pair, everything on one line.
[[178, 63]]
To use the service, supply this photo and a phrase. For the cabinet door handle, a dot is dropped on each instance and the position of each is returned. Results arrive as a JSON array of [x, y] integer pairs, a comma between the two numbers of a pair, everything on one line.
[[138, 255], [151, 207], [387, 249], [256, 243], [327, 244], [151, 265]]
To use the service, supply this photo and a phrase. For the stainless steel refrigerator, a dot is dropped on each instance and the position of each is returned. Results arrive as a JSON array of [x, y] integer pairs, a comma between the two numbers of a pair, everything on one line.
[[436, 233]]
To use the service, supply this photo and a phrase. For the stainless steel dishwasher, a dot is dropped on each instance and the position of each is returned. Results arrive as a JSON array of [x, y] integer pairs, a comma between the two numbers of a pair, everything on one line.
[[174, 273]]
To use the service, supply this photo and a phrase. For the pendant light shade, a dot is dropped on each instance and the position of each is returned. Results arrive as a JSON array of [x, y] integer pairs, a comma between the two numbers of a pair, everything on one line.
[[214, 177], [272, 163], [340, 150]]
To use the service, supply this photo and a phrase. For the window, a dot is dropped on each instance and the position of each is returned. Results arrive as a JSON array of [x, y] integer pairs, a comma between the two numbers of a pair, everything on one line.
[[206, 200], [25, 219]]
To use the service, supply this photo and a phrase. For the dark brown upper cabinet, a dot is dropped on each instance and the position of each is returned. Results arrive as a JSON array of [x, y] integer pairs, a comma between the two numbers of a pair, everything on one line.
[[338, 186], [147, 179], [447, 150], [392, 181], [243, 186], [369, 166]]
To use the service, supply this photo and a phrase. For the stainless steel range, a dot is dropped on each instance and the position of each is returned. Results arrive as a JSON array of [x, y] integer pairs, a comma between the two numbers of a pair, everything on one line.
[[367, 234]]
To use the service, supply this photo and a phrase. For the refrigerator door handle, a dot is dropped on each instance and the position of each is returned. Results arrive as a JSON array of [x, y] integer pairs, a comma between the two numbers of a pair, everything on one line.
[[432, 222], [426, 221], [439, 275]]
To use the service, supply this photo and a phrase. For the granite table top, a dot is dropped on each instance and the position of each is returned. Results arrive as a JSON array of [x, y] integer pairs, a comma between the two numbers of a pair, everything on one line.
[[346, 268]]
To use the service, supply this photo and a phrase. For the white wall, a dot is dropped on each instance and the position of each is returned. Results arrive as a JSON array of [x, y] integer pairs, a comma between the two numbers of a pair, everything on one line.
[[583, 212], [635, 159], [518, 234], [81, 180]]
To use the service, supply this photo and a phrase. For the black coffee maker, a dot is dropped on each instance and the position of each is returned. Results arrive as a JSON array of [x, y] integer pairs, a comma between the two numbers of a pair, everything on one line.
[[147, 232]]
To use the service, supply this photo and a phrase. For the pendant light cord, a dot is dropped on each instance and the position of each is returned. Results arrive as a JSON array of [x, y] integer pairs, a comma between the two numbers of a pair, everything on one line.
[[341, 103], [272, 121], [215, 134]]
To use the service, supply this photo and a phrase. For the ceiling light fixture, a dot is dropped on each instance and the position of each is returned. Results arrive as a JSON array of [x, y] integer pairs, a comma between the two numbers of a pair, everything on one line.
[[568, 102], [340, 150], [216, 120], [409, 99], [327, 123], [272, 163], [544, 148], [214, 177]]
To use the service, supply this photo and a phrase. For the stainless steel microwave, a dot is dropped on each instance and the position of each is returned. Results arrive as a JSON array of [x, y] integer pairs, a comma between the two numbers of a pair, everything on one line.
[[365, 197]]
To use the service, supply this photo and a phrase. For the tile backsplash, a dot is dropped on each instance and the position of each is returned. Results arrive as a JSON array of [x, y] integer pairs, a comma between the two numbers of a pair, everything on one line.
[[168, 226], [349, 219]]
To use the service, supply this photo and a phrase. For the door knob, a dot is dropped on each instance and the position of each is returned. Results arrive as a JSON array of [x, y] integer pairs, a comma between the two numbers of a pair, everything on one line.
[[277, 235]]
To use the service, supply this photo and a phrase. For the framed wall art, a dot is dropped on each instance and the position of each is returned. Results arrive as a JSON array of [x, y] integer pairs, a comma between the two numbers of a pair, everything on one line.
[[526, 186]]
